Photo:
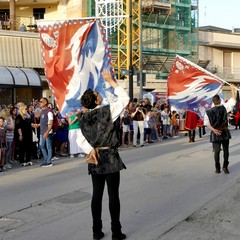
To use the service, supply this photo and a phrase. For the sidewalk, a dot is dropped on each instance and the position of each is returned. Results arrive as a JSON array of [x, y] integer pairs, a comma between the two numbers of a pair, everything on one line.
[[217, 220]]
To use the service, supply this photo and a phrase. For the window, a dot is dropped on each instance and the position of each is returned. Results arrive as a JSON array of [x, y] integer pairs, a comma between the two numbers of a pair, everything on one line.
[[38, 13], [227, 62]]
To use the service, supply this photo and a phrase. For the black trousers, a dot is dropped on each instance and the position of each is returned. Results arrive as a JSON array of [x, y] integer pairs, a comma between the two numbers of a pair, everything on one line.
[[24, 151], [217, 149], [113, 182]]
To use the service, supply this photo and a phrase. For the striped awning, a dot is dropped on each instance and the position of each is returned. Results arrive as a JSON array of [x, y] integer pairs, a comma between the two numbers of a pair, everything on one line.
[[32, 53], [19, 77], [20, 52], [11, 51]]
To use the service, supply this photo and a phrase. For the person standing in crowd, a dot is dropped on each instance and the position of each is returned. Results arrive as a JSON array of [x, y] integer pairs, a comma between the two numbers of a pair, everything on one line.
[[36, 151], [5, 113], [62, 136], [216, 119], [175, 124], [191, 122], [13, 114], [148, 127], [158, 124], [147, 104], [153, 123], [3, 130], [46, 132], [164, 117], [31, 110], [99, 140], [73, 131], [23, 136], [126, 122], [55, 128], [201, 127], [138, 116]]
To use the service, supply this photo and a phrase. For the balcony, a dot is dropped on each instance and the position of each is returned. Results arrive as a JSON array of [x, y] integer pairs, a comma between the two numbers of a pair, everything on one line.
[[227, 73]]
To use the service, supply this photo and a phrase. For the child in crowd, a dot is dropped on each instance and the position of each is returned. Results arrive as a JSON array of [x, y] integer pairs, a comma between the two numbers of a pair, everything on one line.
[[175, 124], [148, 127], [3, 130]]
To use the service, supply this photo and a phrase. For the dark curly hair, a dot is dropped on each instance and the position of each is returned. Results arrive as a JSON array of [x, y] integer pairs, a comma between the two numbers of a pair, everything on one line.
[[88, 99], [216, 98]]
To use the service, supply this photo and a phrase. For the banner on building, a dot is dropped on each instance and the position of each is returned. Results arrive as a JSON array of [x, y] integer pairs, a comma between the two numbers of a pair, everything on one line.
[[74, 54], [158, 97], [191, 87]]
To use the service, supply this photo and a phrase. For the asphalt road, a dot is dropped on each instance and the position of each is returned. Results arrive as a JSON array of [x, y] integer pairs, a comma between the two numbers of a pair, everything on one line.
[[167, 189]]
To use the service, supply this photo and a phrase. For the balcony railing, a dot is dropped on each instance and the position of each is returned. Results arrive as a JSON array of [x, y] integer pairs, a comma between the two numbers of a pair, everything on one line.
[[20, 24], [226, 73]]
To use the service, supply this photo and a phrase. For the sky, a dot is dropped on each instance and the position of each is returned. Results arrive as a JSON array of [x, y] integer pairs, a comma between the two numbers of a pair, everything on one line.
[[219, 13]]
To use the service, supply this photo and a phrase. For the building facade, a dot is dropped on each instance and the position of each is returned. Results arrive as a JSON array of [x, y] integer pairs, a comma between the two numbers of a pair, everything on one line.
[[167, 28], [220, 49]]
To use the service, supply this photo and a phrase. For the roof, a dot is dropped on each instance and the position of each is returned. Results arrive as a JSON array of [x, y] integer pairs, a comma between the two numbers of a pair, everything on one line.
[[214, 29]]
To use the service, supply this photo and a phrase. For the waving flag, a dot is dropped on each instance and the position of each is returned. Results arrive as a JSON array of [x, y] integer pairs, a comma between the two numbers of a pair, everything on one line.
[[191, 87], [74, 54]]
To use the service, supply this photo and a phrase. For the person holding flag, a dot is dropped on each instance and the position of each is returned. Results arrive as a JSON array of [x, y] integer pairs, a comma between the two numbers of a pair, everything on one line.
[[98, 139], [216, 119]]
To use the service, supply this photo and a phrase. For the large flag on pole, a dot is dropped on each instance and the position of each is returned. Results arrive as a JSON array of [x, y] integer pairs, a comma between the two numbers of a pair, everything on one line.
[[74, 54], [191, 87]]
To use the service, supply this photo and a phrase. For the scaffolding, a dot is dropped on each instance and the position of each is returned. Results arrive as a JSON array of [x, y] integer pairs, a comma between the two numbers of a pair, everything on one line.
[[125, 44], [168, 27]]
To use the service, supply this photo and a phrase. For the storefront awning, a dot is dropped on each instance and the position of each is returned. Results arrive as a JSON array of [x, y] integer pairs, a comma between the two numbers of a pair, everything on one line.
[[19, 77]]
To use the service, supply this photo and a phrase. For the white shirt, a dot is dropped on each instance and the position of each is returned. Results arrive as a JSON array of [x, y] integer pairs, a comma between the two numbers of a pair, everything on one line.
[[228, 105], [164, 117], [116, 109]]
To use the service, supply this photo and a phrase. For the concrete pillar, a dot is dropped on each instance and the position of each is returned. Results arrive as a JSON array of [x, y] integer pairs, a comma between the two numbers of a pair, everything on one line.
[[12, 7], [76, 8], [62, 8]]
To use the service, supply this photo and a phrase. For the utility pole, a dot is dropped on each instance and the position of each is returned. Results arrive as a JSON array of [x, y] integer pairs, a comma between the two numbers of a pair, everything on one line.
[[130, 56], [140, 50]]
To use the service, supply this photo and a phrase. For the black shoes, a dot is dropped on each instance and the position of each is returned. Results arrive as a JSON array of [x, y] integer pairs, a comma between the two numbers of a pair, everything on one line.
[[98, 236], [225, 169], [118, 236], [115, 236]]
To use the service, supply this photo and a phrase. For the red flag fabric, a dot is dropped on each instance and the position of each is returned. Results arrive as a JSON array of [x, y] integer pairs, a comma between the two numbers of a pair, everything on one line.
[[74, 54], [191, 87]]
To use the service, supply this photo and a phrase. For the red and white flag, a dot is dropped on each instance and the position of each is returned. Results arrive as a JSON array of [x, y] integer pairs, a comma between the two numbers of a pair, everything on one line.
[[191, 87], [74, 54]]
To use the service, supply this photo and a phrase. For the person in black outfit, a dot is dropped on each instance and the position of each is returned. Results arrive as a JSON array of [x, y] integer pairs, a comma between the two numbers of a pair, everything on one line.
[[216, 119], [97, 127], [23, 135]]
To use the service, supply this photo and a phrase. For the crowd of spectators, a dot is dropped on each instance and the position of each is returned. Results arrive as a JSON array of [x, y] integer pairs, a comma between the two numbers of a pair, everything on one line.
[[140, 123], [20, 135]]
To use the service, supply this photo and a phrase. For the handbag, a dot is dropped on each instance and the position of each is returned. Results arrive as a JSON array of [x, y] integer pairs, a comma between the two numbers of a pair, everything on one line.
[[34, 136]]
